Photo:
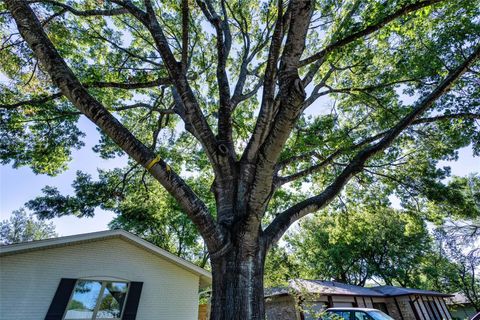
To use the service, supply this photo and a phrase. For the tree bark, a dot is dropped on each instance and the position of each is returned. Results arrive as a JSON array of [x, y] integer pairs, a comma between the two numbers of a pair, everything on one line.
[[237, 288]]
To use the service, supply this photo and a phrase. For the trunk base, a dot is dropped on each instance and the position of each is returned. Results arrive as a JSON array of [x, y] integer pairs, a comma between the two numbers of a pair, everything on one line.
[[237, 288]]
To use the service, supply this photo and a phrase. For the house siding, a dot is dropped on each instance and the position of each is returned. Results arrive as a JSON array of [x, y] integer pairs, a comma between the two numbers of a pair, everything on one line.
[[29, 280], [405, 303], [281, 308]]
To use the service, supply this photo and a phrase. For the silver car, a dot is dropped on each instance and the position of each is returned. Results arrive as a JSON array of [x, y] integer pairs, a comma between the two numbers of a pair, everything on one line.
[[354, 314]]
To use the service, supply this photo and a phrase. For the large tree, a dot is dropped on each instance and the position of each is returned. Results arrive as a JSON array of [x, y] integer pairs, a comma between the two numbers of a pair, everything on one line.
[[228, 93]]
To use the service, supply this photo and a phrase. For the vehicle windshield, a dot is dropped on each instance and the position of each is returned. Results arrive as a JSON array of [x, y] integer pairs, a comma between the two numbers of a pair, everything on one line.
[[379, 315]]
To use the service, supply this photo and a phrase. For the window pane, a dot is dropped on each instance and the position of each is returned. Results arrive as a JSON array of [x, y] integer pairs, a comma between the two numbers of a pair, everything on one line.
[[84, 300], [360, 315], [112, 301]]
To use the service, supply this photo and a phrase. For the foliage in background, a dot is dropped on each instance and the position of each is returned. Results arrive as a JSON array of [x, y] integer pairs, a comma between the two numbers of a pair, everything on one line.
[[365, 243], [22, 227], [465, 265], [458, 237], [141, 208]]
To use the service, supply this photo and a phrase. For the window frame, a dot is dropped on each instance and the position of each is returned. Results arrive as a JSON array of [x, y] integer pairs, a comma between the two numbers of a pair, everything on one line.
[[99, 299]]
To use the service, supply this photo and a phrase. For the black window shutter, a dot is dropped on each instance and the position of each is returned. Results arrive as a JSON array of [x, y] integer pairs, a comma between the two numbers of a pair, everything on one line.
[[133, 298], [60, 300]]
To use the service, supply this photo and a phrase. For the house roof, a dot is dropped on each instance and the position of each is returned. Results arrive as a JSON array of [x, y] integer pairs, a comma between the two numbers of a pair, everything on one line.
[[399, 291], [341, 289], [332, 288], [205, 276], [277, 291]]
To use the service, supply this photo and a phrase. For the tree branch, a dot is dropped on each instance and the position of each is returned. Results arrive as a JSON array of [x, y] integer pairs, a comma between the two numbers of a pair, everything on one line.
[[62, 76], [291, 97], [247, 95], [281, 223], [341, 25], [187, 106], [127, 51], [247, 56], [129, 85], [463, 115], [224, 42], [267, 111], [185, 20], [35, 101], [279, 181], [94, 84]]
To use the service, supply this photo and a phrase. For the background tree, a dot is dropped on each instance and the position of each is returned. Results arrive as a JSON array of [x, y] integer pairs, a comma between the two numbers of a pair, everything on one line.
[[280, 267], [466, 263], [22, 227], [458, 236], [363, 244], [240, 120]]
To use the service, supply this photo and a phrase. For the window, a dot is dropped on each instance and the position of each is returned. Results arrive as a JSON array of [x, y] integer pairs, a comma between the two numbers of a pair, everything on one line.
[[361, 315], [97, 300]]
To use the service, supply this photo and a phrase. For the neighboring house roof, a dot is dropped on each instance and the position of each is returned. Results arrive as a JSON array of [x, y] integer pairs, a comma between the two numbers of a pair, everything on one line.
[[332, 288], [205, 276], [277, 291], [341, 289], [399, 291]]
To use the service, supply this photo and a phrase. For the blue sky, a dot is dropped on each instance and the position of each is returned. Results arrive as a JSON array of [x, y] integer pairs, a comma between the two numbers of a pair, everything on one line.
[[20, 185]]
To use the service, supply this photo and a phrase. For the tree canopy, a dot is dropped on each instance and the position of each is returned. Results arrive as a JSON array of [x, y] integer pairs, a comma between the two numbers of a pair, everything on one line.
[[250, 114]]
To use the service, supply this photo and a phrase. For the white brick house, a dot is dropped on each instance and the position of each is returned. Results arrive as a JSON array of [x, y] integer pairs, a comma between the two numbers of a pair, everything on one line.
[[103, 275]]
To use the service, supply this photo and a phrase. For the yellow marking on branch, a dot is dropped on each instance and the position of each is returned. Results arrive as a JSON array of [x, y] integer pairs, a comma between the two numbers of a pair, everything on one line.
[[153, 162]]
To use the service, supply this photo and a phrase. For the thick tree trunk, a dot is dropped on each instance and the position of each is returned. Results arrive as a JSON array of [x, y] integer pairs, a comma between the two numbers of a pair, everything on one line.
[[237, 289]]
